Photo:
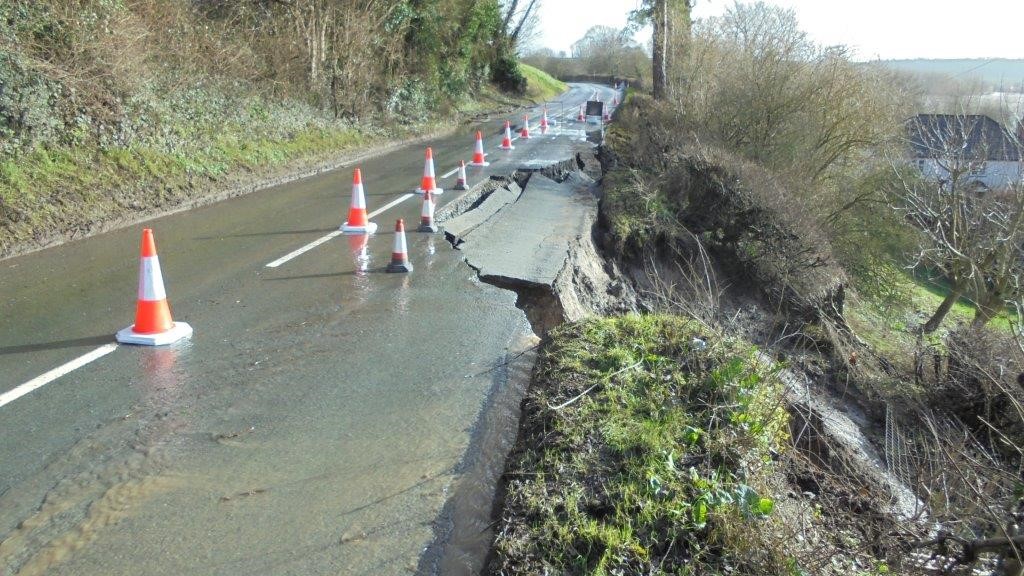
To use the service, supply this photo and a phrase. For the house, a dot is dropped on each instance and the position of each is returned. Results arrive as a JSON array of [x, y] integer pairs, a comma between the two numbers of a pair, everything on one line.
[[973, 148]]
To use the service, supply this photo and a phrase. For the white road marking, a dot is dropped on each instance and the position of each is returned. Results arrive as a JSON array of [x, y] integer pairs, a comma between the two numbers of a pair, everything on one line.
[[453, 171], [391, 204], [335, 234], [303, 250], [40, 381]]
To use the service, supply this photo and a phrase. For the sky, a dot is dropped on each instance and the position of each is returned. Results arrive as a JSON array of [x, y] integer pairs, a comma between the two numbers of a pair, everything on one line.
[[886, 29]]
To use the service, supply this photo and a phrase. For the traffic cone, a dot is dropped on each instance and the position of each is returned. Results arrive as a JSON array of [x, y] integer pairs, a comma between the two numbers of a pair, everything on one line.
[[615, 100], [525, 132], [427, 215], [583, 115], [544, 121], [357, 222], [429, 182], [478, 152], [153, 325], [460, 182], [400, 254], [506, 144]]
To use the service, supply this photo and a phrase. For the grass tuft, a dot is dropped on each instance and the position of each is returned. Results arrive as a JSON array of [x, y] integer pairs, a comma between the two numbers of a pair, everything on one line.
[[647, 441]]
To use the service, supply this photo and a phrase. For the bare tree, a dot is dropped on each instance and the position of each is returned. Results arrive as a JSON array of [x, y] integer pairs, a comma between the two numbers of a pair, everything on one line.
[[607, 50], [971, 234], [520, 23]]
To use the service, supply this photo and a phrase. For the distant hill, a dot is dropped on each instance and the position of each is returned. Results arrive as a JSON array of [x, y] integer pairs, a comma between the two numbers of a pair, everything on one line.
[[994, 71]]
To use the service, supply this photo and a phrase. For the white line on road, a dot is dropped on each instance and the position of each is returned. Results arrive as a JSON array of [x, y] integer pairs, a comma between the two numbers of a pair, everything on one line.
[[391, 204], [303, 250], [335, 234], [453, 171], [40, 381]]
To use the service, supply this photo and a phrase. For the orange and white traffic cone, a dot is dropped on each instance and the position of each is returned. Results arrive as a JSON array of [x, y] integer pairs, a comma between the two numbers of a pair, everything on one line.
[[400, 253], [153, 325], [427, 215], [583, 115], [460, 182], [357, 222], [506, 144], [478, 152], [544, 121], [525, 132], [429, 182]]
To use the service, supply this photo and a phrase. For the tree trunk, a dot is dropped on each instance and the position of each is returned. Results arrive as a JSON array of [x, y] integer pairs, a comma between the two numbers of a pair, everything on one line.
[[514, 38], [985, 311], [660, 72], [935, 321]]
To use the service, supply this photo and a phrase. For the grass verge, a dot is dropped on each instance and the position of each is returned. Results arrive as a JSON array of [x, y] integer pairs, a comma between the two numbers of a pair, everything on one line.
[[646, 446], [50, 191]]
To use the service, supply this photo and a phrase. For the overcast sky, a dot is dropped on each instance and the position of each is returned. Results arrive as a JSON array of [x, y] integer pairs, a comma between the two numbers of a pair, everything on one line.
[[875, 28]]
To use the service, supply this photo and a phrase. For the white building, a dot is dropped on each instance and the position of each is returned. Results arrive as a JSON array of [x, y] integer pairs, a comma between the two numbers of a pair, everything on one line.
[[973, 148]]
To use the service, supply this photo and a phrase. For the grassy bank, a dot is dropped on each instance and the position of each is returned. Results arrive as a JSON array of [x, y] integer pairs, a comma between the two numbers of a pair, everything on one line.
[[183, 146], [541, 86], [646, 442]]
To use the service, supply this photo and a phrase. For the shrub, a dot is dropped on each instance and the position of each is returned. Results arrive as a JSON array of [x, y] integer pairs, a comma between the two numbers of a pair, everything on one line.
[[983, 386], [506, 74]]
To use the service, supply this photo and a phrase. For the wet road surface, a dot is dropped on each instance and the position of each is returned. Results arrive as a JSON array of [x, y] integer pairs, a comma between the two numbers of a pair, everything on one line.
[[315, 422]]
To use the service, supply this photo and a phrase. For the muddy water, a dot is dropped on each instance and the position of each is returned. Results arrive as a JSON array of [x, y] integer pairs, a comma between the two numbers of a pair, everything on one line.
[[464, 531]]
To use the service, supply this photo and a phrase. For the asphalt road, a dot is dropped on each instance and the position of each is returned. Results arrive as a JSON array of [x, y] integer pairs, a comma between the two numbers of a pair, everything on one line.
[[315, 422]]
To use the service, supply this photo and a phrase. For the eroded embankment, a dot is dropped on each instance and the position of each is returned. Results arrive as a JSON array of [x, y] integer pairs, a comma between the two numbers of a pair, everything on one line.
[[615, 468], [651, 441]]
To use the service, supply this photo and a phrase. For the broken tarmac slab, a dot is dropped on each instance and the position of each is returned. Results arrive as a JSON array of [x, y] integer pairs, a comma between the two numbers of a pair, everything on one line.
[[528, 240], [460, 226]]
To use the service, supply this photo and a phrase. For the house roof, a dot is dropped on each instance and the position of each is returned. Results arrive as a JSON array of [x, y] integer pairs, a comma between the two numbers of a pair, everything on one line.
[[974, 136]]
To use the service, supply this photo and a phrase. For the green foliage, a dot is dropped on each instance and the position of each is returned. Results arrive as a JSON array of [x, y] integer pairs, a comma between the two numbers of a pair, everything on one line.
[[26, 113], [637, 212], [664, 460], [449, 40]]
